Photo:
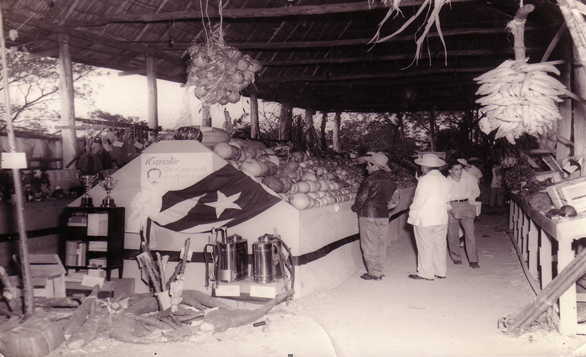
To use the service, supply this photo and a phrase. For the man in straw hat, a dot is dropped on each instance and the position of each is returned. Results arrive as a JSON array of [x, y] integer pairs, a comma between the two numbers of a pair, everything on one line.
[[373, 202], [429, 216]]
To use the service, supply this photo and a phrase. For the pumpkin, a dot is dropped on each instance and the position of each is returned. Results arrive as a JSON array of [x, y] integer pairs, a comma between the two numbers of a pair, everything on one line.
[[303, 187], [273, 183], [313, 186], [300, 201], [287, 184], [308, 176], [224, 150], [291, 166], [251, 167]]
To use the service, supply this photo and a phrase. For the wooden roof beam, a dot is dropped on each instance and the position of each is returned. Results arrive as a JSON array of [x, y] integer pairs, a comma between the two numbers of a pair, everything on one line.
[[476, 31], [251, 13], [358, 59], [96, 39], [398, 74]]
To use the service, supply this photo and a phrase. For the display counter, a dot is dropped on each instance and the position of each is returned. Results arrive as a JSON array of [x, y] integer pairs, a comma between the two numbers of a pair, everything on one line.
[[534, 236], [323, 240], [42, 225]]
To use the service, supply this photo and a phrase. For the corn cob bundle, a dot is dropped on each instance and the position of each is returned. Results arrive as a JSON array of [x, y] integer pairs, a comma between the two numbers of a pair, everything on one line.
[[519, 97]]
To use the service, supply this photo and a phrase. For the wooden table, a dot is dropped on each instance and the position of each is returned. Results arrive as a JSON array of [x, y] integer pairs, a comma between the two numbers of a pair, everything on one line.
[[533, 235]]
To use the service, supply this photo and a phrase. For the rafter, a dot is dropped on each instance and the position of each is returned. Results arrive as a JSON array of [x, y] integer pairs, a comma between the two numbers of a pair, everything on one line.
[[362, 59], [398, 74], [253, 13]]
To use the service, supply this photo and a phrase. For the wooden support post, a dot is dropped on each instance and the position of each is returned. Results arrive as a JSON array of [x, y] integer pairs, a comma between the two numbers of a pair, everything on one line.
[[525, 237], [511, 215], [322, 130], [206, 118], [579, 119], [68, 137], [285, 122], [545, 259], [533, 249], [568, 307], [308, 117], [25, 272], [564, 125], [336, 133], [153, 114], [254, 124]]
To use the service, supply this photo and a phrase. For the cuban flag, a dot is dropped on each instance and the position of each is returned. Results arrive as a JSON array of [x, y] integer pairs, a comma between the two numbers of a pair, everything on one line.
[[226, 197]]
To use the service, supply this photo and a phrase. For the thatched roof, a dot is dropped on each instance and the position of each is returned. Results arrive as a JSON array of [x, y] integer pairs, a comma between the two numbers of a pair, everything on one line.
[[314, 52]]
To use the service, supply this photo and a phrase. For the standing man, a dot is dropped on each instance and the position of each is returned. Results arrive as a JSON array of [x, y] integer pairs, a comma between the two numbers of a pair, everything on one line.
[[372, 204], [463, 193], [470, 168], [428, 214]]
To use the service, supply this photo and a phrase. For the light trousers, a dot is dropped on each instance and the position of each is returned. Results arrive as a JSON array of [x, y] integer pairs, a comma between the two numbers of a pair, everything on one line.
[[431, 250], [467, 224], [374, 235]]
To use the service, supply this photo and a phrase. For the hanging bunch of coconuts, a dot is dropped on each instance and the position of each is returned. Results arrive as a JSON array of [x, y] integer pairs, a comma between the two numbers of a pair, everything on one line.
[[219, 72]]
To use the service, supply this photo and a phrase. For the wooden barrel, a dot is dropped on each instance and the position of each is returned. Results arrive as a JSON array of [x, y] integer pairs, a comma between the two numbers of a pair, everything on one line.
[[38, 336]]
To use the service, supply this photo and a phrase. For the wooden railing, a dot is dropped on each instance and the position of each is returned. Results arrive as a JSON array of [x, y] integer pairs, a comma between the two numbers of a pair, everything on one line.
[[538, 240]]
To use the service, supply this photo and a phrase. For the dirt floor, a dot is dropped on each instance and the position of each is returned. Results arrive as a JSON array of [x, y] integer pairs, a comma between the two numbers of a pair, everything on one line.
[[394, 317]]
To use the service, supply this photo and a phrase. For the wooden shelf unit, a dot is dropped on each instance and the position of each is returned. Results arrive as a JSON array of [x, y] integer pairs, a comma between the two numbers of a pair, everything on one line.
[[103, 240]]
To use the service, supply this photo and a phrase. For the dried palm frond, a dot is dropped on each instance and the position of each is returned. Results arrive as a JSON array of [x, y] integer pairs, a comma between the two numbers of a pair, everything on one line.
[[432, 9]]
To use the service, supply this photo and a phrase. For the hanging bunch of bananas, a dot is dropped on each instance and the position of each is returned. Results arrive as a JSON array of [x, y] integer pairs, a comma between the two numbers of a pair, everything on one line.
[[519, 97]]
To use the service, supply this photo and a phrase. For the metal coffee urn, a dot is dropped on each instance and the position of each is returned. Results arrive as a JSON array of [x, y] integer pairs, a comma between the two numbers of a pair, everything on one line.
[[267, 264], [232, 257]]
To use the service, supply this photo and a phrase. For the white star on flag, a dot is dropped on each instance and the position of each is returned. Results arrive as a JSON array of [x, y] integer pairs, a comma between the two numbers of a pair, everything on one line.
[[224, 202]]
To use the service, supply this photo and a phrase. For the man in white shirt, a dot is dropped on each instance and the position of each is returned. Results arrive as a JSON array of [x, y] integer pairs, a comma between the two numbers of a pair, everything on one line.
[[429, 217], [463, 193], [470, 168]]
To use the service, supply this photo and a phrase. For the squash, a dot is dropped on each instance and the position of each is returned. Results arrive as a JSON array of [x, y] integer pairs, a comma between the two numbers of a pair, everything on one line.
[[273, 183], [287, 184], [303, 187], [300, 201], [225, 150], [251, 167]]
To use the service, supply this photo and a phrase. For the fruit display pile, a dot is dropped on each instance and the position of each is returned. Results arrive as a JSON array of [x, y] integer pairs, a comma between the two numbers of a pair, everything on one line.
[[518, 97], [219, 72], [299, 179]]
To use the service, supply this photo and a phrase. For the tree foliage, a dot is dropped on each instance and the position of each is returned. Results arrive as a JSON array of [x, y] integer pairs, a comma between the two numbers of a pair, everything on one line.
[[34, 88]]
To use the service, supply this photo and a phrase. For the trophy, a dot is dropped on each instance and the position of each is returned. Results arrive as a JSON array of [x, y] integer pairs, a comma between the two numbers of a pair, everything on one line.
[[108, 185], [87, 182]]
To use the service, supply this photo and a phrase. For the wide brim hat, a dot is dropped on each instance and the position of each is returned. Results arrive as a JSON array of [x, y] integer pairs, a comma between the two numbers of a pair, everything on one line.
[[463, 162], [430, 160], [378, 159]]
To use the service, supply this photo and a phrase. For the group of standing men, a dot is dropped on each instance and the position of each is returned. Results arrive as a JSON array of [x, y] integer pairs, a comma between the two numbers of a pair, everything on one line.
[[443, 206]]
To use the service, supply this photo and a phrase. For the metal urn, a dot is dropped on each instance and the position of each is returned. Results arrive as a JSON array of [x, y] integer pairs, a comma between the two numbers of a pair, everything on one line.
[[108, 184], [267, 265], [87, 181]]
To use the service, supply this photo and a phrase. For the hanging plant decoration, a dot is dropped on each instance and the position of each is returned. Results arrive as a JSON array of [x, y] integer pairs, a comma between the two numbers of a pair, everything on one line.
[[431, 8], [218, 72], [518, 97]]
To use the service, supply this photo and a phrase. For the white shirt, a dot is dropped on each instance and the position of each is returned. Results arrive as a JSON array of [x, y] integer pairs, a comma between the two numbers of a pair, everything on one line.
[[466, 188], [430, 202]]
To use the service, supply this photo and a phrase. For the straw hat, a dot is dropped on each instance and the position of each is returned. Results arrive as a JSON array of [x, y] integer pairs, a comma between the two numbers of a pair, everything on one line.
[[430, 160], [378, 159], [463, 162]]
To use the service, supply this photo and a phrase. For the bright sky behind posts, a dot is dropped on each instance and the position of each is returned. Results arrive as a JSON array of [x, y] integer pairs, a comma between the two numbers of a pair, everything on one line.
[[177, 106]]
